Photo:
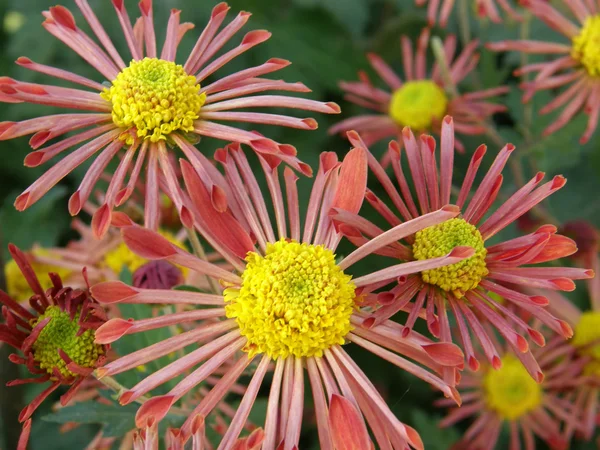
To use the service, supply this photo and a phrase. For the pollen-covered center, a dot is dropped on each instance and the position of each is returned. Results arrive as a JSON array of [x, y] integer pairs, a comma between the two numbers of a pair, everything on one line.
[[587, 339], [417, 104], [155, 97], [510, 391], [294, 300], [586, 46], [439, 240], [61, 333]]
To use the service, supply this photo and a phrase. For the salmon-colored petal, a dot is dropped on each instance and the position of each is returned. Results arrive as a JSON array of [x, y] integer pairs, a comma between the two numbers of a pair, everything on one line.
[[112, 291], [154, 409], [348, 429], [147, 243], [112, 330], [352, 183], [222, 224], [445, 354]]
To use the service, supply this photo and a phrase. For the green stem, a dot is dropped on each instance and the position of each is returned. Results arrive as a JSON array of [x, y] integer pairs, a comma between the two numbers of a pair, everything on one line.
[[118, 388], [464, 21], [440, 56]]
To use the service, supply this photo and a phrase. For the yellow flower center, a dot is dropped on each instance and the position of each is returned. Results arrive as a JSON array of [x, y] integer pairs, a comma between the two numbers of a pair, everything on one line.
[[154, 97], [417, 104], [586, 46], [294, 300], [121, 257], [16, 284], [61, 333], [439, 240], [511, 391], [587, 338]]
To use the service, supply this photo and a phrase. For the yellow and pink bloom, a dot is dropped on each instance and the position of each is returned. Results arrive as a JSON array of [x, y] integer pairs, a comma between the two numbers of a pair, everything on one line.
[[152, 106]]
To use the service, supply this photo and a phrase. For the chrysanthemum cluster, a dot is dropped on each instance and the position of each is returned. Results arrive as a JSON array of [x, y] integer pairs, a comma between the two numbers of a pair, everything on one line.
[[244, 278]]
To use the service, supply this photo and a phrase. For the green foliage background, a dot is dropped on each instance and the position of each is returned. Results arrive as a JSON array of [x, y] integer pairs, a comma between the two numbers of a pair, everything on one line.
[[326, 40]]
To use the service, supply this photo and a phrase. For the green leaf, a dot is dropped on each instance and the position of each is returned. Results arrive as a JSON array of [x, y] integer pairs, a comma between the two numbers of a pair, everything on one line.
[[117, 420], [126, 276]]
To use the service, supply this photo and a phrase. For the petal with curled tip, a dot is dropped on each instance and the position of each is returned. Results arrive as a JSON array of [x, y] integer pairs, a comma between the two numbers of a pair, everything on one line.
[[154, 409], [557, 247], [222, 224], [120, 220], [147, 243], [445, 354], [112, 291], [348, 429], [352, 183], [112, 330]]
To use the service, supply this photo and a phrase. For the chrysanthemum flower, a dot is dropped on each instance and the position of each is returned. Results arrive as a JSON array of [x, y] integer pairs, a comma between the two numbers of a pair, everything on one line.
[[151, 106], [586, 343], [287, 305], [55, 337], [441, 10], [474, 290], [422, 99], [576, 64], [508, 396]]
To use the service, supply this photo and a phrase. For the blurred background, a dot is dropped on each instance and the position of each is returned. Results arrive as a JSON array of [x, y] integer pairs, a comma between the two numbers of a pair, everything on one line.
[[326, 41]]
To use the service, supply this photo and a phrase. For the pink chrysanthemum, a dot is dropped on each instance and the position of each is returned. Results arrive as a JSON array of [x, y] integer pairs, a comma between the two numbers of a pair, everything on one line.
[[56, 337], [510, 397], [585, 343], [151, 106], [485, 9], [422, 99], [576, 65], [473, 291], [288, 305]]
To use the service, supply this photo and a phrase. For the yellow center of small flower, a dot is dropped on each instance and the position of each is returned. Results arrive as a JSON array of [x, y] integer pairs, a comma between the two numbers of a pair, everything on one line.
[[16, 284], [510, 391], [294, 300], [154, 97], [586, 46], [439, 240], [587, 339], [121, 257], [61, 333], [417, 104]]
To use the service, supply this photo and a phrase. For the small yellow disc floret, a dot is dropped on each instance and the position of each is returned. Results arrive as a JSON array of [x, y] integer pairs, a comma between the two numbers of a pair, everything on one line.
[[417, 104], [586, 46], [510, 391], [587, 339], [155, 97], [294, 300], [439, 240], [61, 332]]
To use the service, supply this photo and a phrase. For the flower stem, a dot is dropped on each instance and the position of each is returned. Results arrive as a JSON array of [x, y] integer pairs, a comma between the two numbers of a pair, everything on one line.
[[118, 388], [440, 56], [464, 21]]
